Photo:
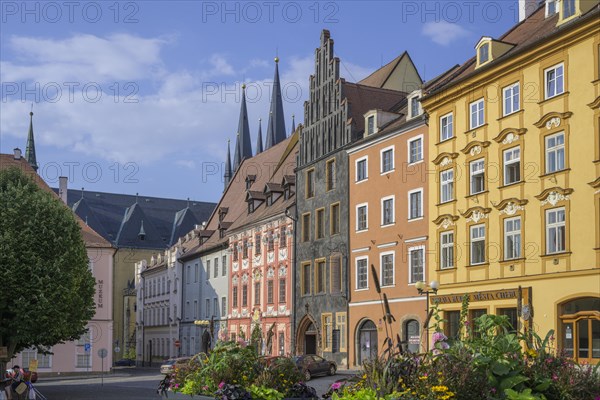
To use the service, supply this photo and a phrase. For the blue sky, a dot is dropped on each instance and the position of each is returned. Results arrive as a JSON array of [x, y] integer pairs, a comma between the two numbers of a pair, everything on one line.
[[143, 96]]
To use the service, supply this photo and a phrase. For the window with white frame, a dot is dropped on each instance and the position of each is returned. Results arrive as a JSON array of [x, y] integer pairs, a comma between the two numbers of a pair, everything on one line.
[[415, 106], [477, 244], [362, 277], [555, 230], [416, 264], [554, 81], [415, 150], [477, 169], [362, 217], [207, 308], [512, 165], [476, 112], [215, 307], [551, 7], [387, 160], [446, 185], [511, 97], [370, 125], [446, 127], [387, 269], [387, 210], [446, 250], [555, 152], [223, 306], [361, 169], [512, 238], [415, 204]]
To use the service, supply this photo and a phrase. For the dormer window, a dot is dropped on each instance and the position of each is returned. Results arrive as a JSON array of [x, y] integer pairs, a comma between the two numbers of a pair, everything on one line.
[[568, 8], [551, 8], [488, 50], [250, 207], [250, 180], [371, 125], [484, 53], [414, 104]]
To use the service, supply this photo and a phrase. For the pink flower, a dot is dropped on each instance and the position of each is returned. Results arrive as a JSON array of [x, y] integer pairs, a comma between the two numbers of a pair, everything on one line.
[[554, 377], [336, 385], [438, 337], [221, 385]]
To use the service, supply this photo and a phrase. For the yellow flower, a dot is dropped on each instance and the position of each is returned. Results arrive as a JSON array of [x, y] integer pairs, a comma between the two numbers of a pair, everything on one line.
[[422, 378], [532, 353]]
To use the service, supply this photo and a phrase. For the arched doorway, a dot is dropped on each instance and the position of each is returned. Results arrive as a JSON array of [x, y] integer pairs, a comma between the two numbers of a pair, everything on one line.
[[307, 337], [367, 341], [412, 335], [580, 329]]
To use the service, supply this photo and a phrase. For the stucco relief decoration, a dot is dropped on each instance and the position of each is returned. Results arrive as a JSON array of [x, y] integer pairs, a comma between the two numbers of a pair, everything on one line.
[[258, 259], [475, 150], [554, 197], [446, 161], [446, 223], [271, 273], [271, 311], [477, 216], [235, 280], [244, 312], [512, 208], [283, 254], [555, 121], [282, 270], [270, 256], [235, 266], [234, 313], [282, 309], [245, 263], [245, 278], [257, 274], [445, 220], [510, 138]]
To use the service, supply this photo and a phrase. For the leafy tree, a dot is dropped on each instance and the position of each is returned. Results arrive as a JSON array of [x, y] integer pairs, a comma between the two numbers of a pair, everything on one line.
[[46, 287]]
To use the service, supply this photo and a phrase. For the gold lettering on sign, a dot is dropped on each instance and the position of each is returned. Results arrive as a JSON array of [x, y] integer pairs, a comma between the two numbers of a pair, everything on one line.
[[505, 294]]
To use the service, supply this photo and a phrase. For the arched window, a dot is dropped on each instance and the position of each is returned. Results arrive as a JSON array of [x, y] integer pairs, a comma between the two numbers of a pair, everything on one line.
[[412, 335], [367, 345]]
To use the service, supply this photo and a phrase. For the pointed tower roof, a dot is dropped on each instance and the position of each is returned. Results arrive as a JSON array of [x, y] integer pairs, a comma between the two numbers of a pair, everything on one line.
[[228, 172], [237, 159], [30, 150], [293, 124], [243, 141], [276, 129], [259, 139]]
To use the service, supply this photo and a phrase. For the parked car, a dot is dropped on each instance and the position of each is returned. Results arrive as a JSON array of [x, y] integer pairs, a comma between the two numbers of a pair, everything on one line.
[[168, 367], [125, 362], [310, 364]]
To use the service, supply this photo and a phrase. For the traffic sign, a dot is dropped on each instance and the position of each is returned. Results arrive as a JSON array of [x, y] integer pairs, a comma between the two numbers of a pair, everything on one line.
[[102, 353], [87, 347], [177, 343], [117, 349]]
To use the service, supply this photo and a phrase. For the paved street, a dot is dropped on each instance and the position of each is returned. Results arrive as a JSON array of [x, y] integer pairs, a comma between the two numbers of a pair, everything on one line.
[[127, 384]]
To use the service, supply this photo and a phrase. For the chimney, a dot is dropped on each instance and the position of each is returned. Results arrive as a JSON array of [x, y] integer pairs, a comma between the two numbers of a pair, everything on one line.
[[526, 8], [62, 188], [17, 153]]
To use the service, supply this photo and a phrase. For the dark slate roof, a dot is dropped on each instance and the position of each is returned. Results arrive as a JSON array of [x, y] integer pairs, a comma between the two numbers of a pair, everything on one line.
[[364, 98], [119, 217], [243, 146], [276, 125], [30, 149]]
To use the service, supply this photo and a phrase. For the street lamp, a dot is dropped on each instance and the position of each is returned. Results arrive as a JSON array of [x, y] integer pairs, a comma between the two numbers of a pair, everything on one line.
[[422, 288]]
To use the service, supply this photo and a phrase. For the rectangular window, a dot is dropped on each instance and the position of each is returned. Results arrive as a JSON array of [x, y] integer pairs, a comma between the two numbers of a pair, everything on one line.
[[223, 306], [234, 300], [215, 307], [415, 204], [321, 277], [320, 224], [310, 183], [387, 211], [476, 114], [555, 230], [207, 308], [306, 279], [512, 238], [477, 244], [196, 272], [330, 174], [244, 249], [554, 81], [335, 218], [362, 273], [282, 290], [447, 250], [361, 170], [387, 269], [551, 8], [340, 324], [484, 53], [188, 278], [415, 106], [416, 260], [224, 265], [257, 244], [415, 150], [306, 227], [196, 309], [512, 165], [477, 169], [282, 237], [335, 267], [568, 8], [513, 320], [207, 269], [326, 320], [256, 293], [235, 252], [555, 152], [270, 291], [446, 185], [216, 267], [271, 241], [281, 343], [511, 97], [361, 217], [446, 127], [451, 326], [244, 295], [387, 160], [370, 124]]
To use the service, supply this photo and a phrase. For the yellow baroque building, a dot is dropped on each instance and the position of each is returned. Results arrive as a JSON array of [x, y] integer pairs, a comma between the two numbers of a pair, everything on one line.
[[514, 179]]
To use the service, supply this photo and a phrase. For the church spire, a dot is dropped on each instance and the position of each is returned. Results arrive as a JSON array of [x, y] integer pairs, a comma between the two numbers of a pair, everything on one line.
[[245, 147], [227, 175], [259, 139], [30, 150], [293, 124], [237, 159], [276, 127]]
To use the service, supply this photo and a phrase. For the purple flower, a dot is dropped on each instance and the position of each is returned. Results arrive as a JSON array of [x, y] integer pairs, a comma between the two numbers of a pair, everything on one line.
[[438, 337], [221, 385], [336, 385]]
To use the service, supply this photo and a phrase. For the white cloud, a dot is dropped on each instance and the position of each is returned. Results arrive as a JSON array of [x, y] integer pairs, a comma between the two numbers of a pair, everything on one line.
[[186, 163], [444, 32]]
